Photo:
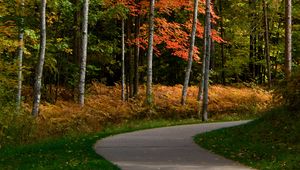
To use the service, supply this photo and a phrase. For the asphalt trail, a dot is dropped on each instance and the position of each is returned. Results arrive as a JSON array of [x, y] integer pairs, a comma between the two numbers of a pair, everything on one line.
[[169, 148]]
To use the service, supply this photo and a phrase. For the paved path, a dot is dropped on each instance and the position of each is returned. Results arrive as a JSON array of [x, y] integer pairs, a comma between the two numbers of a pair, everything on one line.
[[170, 148]]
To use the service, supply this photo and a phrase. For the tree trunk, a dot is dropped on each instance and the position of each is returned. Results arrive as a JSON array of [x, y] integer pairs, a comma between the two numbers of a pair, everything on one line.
[[267, 50], [201, 84], [260, 57], [191, 54], [150, 54], [40, 65], [76, 33], [84, 52], [123, 60], [136, 57], [288, 38], [252, 49], [20, 56], [222, 43], [207, 45]]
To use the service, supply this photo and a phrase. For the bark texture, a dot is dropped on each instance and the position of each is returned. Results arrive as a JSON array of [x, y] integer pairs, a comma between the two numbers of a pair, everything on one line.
[[207, 45], [40, 65], [123, 60], [84, 52], [150, 54], [288, 38], [267, 50], [137, 57], [20, 55], [191, 54]]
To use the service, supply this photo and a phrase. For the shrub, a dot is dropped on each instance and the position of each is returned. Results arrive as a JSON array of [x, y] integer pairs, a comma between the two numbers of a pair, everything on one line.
[[289, 91]]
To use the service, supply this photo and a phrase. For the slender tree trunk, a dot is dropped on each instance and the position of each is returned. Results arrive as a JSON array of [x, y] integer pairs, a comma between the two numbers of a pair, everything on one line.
[[137, 57], [123, 60], [288, 38], [20, 56], [252, 51], [84, 52], [130, 57], [191, 54], [39, 69], [76, 33], [150, 54], [222, 43], [267, 51], [201, 83], [260, 56], [207, 45]]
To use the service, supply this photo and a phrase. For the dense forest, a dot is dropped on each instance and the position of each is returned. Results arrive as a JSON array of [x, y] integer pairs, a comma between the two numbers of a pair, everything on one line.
[[54, 51]]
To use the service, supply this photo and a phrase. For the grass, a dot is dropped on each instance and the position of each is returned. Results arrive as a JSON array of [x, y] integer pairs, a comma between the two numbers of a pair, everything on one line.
[[72, 152], [271, 142]]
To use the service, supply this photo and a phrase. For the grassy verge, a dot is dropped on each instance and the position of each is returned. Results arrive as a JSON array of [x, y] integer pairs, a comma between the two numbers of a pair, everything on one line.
[[271, 142], [73, 152]]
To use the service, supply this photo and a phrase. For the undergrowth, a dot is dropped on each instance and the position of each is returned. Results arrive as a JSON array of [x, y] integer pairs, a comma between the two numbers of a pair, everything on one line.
[[104, 106]]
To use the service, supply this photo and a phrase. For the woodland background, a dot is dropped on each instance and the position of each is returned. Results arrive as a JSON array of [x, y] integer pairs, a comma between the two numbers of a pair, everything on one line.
[[247, 55]]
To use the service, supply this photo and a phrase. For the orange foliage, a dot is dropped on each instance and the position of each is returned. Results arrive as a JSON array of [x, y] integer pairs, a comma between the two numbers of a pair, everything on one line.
[[103, 105], [172, 35]]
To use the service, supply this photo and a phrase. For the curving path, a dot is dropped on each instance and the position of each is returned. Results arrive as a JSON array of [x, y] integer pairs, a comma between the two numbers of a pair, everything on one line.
[[169, 148]]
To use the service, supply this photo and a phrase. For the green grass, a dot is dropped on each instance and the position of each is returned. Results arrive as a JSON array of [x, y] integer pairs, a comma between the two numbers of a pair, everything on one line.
[[271, 142], [72, 152]]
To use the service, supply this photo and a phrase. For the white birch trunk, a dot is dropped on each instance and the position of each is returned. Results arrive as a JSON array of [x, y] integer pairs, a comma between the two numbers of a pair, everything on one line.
[[40, 65], [267, 49], [150, 54], [20, 56], [191, 53], [84, 52], [123, 60]]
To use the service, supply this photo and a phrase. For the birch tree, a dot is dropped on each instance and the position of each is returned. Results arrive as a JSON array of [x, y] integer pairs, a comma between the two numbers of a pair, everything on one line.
[[191, 53], [150, 54], [84, 52], [20, 54], [40, 65], [207, 47], [137, 56], [267, 49], [123, 60], [288, 38]]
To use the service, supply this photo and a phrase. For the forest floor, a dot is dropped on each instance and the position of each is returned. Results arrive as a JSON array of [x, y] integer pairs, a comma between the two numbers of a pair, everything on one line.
[[104, 107]]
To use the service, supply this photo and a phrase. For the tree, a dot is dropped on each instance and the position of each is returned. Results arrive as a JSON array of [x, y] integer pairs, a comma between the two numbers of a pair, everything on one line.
[[207, 46], [20, 54], [267, 50], [76, 32], [191, 53], [222, 43], [150, 54], [40, 65], [84, 52], [288, 38], [123, 62], [137, 56]]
